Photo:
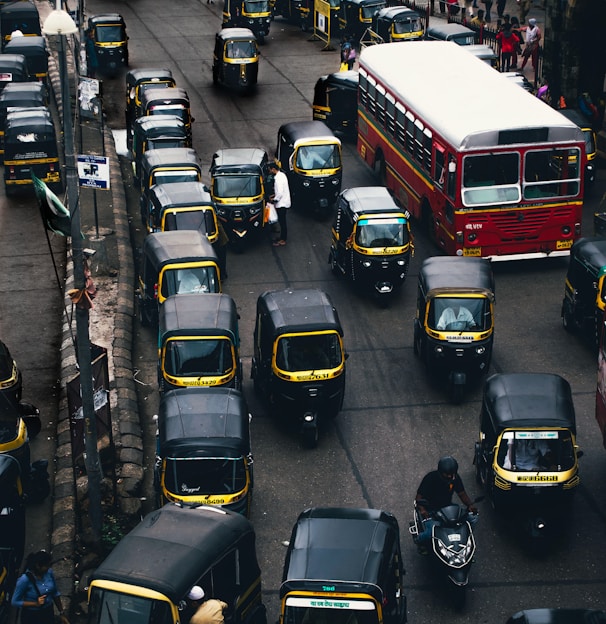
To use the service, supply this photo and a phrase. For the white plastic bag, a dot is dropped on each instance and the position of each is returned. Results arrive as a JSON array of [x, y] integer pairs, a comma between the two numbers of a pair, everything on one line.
[[271, 213]]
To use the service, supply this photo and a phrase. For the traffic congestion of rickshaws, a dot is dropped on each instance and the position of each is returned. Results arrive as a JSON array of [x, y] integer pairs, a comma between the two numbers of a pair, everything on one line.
[[342, 565]]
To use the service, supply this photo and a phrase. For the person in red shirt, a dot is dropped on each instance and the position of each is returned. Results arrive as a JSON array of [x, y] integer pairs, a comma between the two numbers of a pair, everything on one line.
[[508, 43]]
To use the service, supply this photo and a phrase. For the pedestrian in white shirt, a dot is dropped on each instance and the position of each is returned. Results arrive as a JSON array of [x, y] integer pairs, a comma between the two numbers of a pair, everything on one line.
[[281, 200]]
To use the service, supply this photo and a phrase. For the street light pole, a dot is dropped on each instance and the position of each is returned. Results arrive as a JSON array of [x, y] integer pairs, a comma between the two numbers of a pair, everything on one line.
[[60, 23]]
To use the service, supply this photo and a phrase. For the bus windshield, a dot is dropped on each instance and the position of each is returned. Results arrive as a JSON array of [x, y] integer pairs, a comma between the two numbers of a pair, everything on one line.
[[381, 233], [110, 607], [198, 358], [204, 475], [318, 157]]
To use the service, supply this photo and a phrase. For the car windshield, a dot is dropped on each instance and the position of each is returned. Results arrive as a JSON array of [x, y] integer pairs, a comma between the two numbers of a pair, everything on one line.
[[381, 233], [536, 451], [318, 157], [110, 607], [236, 186], [309, 352], [110, 34], [198, 279], [459, 314], [198, 358], [365, 614], [193, 476], [240, 49]]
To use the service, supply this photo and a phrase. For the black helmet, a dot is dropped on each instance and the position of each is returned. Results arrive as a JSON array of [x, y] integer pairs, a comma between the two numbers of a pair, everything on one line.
[[448, 465]]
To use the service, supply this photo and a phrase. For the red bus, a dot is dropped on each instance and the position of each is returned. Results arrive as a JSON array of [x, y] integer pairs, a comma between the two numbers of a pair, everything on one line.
[[488, 169], [600, 395]]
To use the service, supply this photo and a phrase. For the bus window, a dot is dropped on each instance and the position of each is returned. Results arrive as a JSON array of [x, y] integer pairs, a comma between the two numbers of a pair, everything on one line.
[[400, 122], [427, 149], [452, 175], [491, 179], [363, 90], [551, 173], [439, 168], [419, 142], [410, 144], [380, 105], [390, 108]]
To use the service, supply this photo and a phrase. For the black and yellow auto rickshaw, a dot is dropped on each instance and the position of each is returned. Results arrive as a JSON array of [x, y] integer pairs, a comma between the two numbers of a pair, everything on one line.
[[310, 156], [589, 136], [236, 59], [454, 322], [343, 565], [108, 35], [154, 133], [203, 452], [355, 16], [301, 13], [199, 342], [13, 68], [182, 206], [137, 82], [252, 14], [35, 52], [336, 102], [526, 456], [30, 146], [398, 23], [166, 166], [168, 101], [585, 288], [237, 186], [11, 384], [371, 240], [21, 16], [189, 545], [173, 263], [298, 363]]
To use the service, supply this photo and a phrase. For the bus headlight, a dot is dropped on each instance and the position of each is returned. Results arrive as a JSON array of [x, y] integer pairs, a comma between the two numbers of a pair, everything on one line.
[[566, 230], [472, 237]]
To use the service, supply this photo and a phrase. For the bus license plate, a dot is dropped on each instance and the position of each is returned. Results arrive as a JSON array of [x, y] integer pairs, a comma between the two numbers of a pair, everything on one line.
[[476, 252], [564, 244]]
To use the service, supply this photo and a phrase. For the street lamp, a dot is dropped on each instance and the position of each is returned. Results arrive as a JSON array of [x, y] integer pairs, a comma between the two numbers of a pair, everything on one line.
[[60, 23]]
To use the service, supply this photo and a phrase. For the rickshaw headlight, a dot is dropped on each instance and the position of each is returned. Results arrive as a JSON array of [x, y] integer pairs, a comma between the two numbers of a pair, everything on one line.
[[221, 212], [439, 349], [480, 350], [366, 264], [335, 181], [306, 183], [255, 210], [401, 262]]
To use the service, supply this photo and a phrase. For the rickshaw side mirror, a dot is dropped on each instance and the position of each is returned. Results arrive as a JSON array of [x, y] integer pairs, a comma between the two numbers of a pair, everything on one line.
[[580, 454], [346, 355], [193, 119]]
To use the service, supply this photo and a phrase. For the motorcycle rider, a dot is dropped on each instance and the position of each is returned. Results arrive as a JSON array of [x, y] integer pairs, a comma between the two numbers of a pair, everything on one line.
[[435, 491]]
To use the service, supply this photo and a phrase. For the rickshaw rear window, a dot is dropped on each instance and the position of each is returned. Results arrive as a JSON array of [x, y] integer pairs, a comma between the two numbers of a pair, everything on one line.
[[309, 352], [176, 110], [240, 49], [381, 233], [256, 6], [109, 34], [201, 279], [198, 358], [459, 314], [108, 607], [237, 186], [165, 143], [350, 612], [166, 177], [536, 451], [204, 475], [318, 157]]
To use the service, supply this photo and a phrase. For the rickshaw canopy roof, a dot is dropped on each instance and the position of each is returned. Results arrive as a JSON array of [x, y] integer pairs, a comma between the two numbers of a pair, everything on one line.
[[30, 46], [343, 80], [445, 31], [13, 88], [202, 422], [301, 132], [21, 99], [369, 199], [28, 120], [364, 3], [184, 543], [160, 125], [528, 400], [239, 160], [204, 314], [181, 194], [164, 95], [341, 545], [591, 251], [6, 363], [397, 14], [451, 274], [107, 19], [576, 117], [15, 64], [21, 7], [149, 74], [170, 157], [236, 34], [300, 310], [162, 248]]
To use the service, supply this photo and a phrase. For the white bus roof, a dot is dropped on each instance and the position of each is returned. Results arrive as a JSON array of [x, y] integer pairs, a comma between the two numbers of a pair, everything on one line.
[[460, 96]]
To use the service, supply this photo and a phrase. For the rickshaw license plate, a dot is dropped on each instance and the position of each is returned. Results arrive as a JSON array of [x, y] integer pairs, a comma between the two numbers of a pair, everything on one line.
[[475, 252], [538, 478], [564, 244]]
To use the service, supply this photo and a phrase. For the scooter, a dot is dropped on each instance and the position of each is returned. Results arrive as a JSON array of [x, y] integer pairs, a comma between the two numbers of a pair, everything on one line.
[[452, 546]]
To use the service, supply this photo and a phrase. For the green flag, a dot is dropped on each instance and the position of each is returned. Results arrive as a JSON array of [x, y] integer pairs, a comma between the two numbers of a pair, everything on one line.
[[55, 215]]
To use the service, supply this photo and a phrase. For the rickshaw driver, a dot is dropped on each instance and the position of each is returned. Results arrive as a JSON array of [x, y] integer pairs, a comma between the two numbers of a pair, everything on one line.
[[529, 455], [209, 611], [456, 314], [435, 491]]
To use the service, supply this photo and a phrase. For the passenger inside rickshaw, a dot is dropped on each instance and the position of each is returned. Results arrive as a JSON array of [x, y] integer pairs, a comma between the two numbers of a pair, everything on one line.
[[240, 49], [201, 279], [190, 281], [458, 314], [536, 451], [304, 353], [318, 157], [381, 233], [198, 358]]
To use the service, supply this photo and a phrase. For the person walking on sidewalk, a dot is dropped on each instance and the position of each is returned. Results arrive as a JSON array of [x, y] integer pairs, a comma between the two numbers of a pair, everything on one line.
[[478, 21], [531, 49], [281, 200], [488, 5], [524, 6]]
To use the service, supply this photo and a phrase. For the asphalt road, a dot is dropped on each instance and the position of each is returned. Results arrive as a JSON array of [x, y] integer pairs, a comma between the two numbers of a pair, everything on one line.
[[395, 423]]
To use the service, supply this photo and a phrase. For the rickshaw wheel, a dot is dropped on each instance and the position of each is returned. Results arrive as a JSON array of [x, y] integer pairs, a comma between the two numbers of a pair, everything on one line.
[[568, 320]]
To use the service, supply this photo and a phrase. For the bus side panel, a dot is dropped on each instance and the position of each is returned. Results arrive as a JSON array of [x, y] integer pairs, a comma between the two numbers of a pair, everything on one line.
[[600, 395]]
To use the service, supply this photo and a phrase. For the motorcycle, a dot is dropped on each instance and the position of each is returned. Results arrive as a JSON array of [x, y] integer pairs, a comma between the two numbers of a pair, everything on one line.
[[452, 546]]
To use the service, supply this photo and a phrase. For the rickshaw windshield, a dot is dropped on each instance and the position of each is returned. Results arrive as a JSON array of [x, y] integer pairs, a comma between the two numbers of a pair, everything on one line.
[[589, 137], [357, 612], [367, 12], [198, 358], [175, 175], [407, 26], [205, 475], [194, 219], [240, 49], [309, 352], [200, 279], [176, 110], [109, 607], [459, 314], [236, 186], [145, 86], [163, 143], [318, 157], [109, 34], [536, 451], [256, 6], [381, 233]]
